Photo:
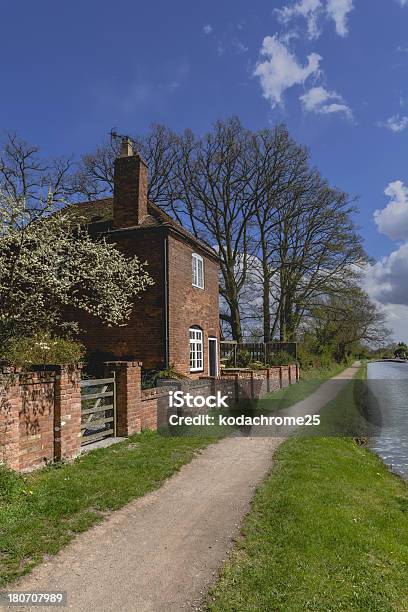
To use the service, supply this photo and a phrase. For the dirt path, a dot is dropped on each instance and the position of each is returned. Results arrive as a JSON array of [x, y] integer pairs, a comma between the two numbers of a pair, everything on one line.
[[162, 552]]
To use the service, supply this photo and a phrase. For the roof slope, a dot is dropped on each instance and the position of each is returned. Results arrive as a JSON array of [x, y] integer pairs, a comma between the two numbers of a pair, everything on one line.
[[99, 215]]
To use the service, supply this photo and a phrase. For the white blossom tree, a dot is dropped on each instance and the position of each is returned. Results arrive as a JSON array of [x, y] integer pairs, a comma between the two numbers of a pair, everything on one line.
[[49, 263]]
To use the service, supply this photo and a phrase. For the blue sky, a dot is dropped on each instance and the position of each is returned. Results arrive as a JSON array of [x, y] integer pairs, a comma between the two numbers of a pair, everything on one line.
[[336, 71]]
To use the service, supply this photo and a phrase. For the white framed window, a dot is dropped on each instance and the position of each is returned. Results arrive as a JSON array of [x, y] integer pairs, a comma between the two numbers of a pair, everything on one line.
[[197, 271], [196, 349]]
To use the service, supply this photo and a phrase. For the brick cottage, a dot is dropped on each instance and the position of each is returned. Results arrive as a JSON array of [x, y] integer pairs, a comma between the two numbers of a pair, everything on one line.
[[176, 321]]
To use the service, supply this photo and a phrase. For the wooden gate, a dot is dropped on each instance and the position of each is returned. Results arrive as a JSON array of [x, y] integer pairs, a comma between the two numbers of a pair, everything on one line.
[[98, 409]]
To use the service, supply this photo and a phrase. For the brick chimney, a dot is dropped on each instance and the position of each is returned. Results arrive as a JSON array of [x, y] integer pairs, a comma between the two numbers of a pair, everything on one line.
[[130, 188]]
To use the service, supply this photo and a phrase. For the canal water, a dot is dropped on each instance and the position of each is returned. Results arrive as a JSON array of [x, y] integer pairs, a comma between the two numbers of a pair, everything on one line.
[[388, 383]]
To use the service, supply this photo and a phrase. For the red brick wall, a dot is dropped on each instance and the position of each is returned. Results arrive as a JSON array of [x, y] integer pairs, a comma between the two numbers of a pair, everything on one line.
[[135, 409], [36, 422], [10, 405], [40, 417], [142, 339], [259, 382], [67, 413], [189, 306], [130, 192], [40, 412]]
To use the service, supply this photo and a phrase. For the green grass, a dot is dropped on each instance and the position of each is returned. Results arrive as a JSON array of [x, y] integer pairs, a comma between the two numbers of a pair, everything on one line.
[[309, 382], [274, 401], [328, 530], [43, 511]]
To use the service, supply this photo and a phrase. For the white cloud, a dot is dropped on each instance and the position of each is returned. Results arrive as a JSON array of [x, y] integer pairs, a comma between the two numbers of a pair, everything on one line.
[[387, 279], [320, 100], [309, 9], [313, 10], [393, 219], [338, 11], [385, 282], [397, 320], [279, 69], [396, 123], [403, 2], [207, 29], [385, 285]]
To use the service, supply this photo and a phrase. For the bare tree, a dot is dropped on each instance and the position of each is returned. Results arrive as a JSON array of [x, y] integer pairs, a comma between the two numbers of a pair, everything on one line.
[[343, 324], [280, 230], [25, 174], [281, 170], [159, 148], [318, 251], [217, 187], [207, 183]]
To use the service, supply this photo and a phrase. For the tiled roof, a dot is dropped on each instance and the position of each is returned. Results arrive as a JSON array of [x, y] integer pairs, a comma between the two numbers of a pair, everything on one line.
[[91, 212], [99, 213]]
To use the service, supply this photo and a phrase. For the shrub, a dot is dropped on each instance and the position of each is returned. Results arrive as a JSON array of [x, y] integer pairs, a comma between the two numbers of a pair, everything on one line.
[[42, 349], [401, 352], [311, 360], [281, 358], [257, 365], [244, 359], [150, 378]]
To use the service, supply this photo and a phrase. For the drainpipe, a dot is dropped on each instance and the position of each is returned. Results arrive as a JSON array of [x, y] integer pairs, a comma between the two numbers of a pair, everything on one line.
[[166, 302]]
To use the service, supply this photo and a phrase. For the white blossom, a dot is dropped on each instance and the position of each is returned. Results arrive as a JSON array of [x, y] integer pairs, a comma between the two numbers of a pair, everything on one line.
[[50, 264]]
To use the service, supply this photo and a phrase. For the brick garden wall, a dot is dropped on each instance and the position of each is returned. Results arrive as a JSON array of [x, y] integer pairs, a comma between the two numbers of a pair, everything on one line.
[[40, 412], [40, 416]]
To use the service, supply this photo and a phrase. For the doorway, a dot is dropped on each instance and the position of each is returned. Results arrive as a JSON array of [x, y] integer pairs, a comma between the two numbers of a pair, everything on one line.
[[212, 357]]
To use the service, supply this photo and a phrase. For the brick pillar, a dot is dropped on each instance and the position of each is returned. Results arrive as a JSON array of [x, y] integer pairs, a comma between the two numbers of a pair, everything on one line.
[[252, 385], [10, 407], [67, 412], [128, 395], [236, 387]]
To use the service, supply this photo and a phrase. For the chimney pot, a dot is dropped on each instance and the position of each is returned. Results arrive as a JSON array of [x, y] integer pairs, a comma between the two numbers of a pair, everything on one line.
[[126, 149]]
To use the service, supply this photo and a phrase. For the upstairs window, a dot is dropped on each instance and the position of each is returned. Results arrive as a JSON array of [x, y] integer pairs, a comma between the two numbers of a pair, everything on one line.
[[196, 349], [198, 271]]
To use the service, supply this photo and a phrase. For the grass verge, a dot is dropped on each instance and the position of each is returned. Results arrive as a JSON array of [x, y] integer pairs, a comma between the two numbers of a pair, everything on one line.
[[328, 530], [41, 512], [310, 381]]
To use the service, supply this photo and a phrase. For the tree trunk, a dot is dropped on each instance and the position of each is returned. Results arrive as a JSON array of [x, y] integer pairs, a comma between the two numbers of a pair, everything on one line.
[[266, 309], [236, 329]]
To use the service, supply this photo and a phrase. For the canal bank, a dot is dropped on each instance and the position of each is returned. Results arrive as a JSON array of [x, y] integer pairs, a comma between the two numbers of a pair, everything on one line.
[[328, 530]]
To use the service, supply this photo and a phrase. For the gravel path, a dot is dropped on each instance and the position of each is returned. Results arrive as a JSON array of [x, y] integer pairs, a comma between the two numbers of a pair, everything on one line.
[[162, 552]]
